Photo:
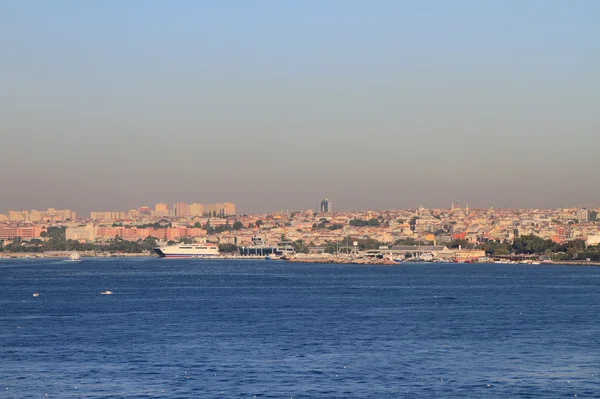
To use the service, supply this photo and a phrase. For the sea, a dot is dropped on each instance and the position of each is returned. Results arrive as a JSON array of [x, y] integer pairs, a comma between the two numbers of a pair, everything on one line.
[[190, 328]]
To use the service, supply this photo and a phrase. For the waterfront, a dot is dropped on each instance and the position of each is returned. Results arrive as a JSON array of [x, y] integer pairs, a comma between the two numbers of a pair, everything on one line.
[[198, 328]]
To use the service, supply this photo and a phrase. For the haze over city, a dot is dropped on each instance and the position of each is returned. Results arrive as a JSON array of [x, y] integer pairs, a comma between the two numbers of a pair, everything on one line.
[[274, 105]]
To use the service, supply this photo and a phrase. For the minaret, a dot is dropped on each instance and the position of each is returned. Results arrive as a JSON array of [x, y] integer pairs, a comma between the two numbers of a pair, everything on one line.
[[452, 205], [467, 210]]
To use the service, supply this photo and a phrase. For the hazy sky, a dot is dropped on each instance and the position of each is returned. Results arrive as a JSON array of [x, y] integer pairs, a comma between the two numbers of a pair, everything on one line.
[[111, 105]]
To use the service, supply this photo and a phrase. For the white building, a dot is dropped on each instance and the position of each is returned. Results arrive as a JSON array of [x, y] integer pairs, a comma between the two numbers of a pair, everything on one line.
[[592, 240], [79, 233]]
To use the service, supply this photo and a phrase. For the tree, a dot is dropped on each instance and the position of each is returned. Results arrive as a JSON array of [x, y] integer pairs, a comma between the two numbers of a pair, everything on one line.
[[410, 241], [299, 246], [228, 248], [58, 233], [358, 222], [532, 244], [149, 243], [459, 243], [493, 248], [237, 225], [258, 223]]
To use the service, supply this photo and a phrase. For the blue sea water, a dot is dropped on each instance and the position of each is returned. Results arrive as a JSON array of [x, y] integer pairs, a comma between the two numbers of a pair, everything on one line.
[[244, 329]]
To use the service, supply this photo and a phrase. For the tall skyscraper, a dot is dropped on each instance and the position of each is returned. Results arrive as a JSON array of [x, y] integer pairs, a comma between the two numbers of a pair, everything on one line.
[[583, 215], [326, 205]]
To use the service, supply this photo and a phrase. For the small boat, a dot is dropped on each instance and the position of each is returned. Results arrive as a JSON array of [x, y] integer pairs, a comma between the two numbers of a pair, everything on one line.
[[74, 257], [107, 292], [35, 294]]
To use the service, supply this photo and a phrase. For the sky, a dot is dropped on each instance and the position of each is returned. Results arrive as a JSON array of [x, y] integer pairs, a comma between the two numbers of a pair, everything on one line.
[[273, 105]]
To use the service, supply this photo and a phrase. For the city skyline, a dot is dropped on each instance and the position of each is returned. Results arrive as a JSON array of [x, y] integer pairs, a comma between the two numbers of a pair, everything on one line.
[[471, 226], [384, 105], [229, 209]]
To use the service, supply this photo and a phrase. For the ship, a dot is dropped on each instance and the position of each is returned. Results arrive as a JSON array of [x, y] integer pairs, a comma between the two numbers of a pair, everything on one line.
[[74, 257], [188, 251]]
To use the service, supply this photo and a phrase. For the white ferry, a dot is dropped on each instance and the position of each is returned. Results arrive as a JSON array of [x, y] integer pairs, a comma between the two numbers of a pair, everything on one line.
[[188, 251]]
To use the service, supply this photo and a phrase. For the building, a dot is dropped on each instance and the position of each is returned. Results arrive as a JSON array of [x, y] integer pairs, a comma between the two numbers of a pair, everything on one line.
[[18, 216], [593, 239], [161, 210], [35, 216], [326, 205], [220, 209], [196, 209], [213, 209], [181, 209], [228, 209], [583, 215], [81, 233], [145, 211], [25, 232], [133, 214], [414, 250], [108, 215], [100, 215], [57, 215]]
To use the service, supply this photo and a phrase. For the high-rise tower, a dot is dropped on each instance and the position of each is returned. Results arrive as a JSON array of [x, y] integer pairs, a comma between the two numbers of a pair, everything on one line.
[[326, 205]]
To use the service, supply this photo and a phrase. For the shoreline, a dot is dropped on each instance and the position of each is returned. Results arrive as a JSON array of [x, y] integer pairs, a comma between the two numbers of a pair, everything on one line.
[[65, 255], [307, 259], [388, 262]]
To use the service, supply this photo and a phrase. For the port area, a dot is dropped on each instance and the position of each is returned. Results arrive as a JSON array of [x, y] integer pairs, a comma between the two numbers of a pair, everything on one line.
[[341, 259], [358, 260]]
